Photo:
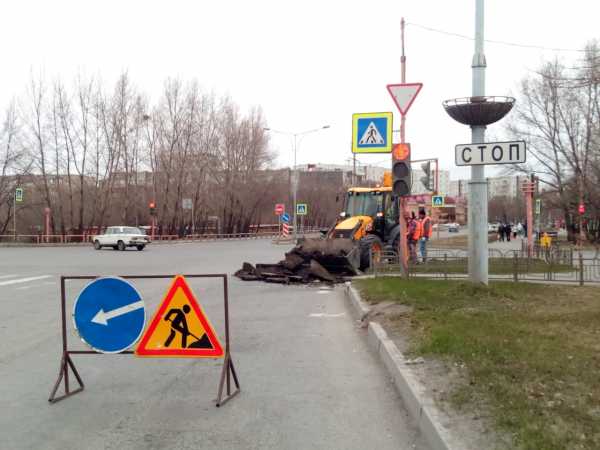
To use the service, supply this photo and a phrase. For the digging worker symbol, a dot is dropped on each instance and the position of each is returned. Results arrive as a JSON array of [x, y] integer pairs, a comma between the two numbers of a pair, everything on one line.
[[179, 325]]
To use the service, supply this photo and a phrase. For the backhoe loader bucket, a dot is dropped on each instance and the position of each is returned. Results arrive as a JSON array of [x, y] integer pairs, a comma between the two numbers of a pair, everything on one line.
[[338, 256]]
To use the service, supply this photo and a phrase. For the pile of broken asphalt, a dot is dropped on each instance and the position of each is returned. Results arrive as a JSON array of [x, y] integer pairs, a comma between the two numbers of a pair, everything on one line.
[[299, 266]]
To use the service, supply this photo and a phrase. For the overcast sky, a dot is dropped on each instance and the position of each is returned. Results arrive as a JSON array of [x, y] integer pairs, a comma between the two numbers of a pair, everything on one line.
[[306, 63]]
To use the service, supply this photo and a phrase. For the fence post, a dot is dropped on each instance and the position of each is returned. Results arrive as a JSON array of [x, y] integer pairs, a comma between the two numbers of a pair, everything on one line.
[[580, 269], [445, 266], [515, 267]]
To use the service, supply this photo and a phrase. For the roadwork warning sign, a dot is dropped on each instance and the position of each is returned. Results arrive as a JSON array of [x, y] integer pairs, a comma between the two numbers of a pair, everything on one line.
[[180, 327]]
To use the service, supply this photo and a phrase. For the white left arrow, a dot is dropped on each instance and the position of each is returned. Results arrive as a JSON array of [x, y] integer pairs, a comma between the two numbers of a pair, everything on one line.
[[102, 317]]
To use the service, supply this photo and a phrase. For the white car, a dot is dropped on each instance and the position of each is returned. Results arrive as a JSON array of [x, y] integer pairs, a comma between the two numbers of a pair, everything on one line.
[[119, 238], [452, 227]]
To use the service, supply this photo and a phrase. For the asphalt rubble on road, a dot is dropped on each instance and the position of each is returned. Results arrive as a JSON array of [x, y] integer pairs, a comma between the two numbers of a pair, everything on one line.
[[301, 264]]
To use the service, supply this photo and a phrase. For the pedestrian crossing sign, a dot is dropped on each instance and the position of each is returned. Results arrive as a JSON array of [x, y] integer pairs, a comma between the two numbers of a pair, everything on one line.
[[301, 209], [437, 201], [372, 132], [180, 327]]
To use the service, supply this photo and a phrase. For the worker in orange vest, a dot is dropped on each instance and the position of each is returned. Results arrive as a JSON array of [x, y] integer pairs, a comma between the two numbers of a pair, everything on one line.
[[413, 231], [426, 231]]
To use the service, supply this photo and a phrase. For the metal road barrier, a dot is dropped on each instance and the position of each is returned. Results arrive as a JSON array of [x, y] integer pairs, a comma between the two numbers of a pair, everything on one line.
[[561, 266], [82, 239]]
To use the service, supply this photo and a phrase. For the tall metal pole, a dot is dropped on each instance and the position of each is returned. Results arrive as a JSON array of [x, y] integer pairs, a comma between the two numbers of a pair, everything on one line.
[[15, 215], [478, 201], [295, 182], [402, 200]]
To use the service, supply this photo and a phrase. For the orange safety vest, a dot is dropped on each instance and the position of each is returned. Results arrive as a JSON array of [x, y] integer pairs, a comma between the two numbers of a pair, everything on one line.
[[418, 230], [426, 232]]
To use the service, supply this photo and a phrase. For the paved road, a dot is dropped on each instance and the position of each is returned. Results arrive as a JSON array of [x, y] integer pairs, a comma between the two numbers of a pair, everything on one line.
[[307, 381]]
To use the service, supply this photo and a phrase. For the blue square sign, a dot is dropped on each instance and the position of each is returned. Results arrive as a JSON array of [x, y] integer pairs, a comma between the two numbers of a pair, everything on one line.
[[372, 132]]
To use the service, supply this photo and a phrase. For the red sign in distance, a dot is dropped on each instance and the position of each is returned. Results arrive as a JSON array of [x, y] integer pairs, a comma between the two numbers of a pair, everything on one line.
[[279, 208], [581, 208]]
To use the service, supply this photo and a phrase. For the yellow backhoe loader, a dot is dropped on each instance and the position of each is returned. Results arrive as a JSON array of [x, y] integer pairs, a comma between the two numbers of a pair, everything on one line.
[[368, 224]]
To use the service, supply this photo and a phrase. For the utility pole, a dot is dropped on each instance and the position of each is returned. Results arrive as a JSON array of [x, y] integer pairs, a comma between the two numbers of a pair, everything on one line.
[[15, 215], [403, 250], [478, 234]]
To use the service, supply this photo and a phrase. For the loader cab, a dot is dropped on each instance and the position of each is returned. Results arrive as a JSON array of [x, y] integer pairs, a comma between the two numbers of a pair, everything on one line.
[[376, 203]]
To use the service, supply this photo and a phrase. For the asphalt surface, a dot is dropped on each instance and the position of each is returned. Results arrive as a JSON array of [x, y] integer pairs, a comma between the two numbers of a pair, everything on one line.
[[308, 379]]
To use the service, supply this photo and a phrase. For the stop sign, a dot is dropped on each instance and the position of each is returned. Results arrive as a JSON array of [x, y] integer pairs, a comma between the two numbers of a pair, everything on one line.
[[581, 208]]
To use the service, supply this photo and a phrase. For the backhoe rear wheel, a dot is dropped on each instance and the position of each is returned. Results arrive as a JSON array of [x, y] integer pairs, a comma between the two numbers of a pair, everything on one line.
[[370, 247]]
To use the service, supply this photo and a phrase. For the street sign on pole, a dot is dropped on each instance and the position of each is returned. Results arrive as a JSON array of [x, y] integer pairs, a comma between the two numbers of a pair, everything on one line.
[[19, 195], [301, 209], [404, 95], [186, 203], [109, 315], [372, 132], [279, 208], [437, 201], [490, 153], [538, 206], [285, 217]]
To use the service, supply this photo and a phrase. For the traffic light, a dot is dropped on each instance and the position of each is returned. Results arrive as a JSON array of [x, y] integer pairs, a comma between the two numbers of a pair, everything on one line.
[[401, 172], [152, 206], [427, 180]]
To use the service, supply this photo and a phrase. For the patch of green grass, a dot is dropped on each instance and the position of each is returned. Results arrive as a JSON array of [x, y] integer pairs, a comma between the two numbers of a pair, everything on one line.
[[532, 351]]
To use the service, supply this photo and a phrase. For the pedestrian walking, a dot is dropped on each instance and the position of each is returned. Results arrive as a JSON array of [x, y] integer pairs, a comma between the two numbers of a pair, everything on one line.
[[508, 231], [426, 231]]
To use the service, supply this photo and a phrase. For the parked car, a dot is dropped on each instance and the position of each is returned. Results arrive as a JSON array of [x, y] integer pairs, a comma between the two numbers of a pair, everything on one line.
[[119, 238], [493, 227], [452, 227]]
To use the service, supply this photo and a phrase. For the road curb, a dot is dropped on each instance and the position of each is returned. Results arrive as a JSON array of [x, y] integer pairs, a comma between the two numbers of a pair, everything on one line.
[[411, 390]]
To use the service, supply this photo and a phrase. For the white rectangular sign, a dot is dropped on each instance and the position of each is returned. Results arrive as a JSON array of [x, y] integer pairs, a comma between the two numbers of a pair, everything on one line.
[[490, 153]]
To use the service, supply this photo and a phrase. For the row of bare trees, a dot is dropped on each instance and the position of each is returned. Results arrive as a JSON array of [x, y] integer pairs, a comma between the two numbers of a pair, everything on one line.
[[558, 114], [95, 157]]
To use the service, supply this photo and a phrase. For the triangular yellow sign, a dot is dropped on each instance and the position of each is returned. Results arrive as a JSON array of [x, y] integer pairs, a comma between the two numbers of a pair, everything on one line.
[[180, 327]]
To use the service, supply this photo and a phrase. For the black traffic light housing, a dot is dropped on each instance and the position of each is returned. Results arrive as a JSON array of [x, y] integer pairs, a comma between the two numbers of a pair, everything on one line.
[[401, 171], [152, 207], [427, 180]]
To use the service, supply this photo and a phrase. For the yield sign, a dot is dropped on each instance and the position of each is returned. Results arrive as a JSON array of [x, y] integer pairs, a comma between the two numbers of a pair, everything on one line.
[[404, 95], [180, 327]]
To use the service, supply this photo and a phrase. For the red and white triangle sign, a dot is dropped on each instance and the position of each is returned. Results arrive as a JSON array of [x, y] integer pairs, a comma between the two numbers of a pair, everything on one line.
[[404, 95]]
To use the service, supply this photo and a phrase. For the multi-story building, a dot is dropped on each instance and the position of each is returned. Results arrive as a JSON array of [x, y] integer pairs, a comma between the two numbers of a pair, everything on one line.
[[507, 186]]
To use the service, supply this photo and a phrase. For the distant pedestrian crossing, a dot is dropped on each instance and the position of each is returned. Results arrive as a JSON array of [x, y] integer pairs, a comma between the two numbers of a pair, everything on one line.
[[16, 279]]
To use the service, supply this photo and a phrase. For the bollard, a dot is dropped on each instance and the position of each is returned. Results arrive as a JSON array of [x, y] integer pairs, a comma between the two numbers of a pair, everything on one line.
[[515, 267], [580, 269]]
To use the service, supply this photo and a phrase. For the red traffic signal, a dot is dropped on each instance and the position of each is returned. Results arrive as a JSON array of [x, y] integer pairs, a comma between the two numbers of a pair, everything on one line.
[[401, 172], [581, 208], [151, 205]]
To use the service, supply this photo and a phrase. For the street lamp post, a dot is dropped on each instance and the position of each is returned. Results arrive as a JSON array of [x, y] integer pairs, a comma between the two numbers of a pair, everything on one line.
[[295, 171]]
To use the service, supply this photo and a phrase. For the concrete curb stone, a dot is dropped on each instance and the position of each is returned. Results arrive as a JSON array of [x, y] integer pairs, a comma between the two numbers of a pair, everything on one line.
[[423, 410]]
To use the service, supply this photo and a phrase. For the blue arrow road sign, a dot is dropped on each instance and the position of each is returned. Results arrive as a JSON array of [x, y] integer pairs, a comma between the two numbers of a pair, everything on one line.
[[285, 217], [109, 315]]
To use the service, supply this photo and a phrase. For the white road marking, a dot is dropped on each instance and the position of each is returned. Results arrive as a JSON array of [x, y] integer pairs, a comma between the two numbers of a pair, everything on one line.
[[9, 276], [326, 315], [23, 280]]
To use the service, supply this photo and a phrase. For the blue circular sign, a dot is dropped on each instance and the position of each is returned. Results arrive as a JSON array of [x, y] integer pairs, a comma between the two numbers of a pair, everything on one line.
[[109, 315]]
